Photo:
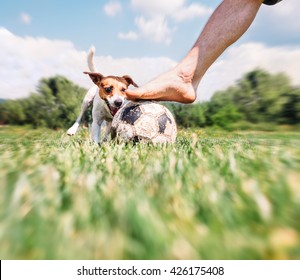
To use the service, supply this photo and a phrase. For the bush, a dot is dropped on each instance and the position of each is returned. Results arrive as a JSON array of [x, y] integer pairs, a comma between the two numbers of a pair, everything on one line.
[[55, 105]]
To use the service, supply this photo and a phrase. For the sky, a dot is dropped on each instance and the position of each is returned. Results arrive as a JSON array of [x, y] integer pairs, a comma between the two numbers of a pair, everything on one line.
[[140, 38]]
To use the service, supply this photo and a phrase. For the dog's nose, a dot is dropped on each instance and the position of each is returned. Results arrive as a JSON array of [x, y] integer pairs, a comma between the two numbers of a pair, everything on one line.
[[118, 102]]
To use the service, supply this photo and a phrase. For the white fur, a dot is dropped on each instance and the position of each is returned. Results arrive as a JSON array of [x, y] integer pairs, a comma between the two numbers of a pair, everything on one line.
[[100, 113], [90, 60], [87, 102]]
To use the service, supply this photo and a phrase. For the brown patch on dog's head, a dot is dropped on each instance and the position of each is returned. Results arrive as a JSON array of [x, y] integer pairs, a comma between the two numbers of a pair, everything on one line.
[[111, 85], [129, 80], [95, 77]]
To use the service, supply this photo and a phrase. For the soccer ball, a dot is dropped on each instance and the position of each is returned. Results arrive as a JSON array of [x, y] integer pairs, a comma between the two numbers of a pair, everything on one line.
[[144, 121]]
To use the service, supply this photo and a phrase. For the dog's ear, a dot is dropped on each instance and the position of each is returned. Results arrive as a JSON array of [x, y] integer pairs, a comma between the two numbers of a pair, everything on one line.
[[129, 80], [95, 77]]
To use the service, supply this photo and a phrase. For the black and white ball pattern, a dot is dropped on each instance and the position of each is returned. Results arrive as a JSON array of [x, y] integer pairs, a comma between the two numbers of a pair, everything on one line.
[[145, 121]]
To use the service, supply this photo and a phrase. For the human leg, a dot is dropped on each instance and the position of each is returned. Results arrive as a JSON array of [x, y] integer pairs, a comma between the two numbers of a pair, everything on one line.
[[227, 24]]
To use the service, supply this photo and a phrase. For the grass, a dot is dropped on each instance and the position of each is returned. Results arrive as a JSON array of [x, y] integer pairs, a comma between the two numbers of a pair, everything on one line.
[[212, 195]]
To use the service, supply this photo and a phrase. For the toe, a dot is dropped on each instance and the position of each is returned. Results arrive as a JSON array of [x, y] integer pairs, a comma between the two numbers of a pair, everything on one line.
[[132, 94]]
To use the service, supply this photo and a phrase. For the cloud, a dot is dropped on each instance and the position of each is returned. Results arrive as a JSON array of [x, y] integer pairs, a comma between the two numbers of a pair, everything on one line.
[[277, 24], [128, 36], [155, 29], [112, 8], [157, 7], [176, 9], [241, 59], [192, 11], [285, 15], [153, 20], [25, 18], [25, 60]]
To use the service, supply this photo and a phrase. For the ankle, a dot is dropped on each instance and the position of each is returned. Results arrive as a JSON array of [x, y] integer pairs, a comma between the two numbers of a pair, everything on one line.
[[184, 73]]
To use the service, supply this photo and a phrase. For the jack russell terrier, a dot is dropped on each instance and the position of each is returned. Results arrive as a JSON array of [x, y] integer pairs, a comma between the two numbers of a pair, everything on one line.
[[107, 96]]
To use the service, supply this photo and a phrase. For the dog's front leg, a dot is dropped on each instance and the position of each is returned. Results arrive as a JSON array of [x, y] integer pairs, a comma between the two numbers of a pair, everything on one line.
[[107, 131], [73, 129], [87, 101], [96, 130]]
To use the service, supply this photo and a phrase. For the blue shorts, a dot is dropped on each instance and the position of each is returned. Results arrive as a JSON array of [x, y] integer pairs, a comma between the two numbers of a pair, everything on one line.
[[271, 2]]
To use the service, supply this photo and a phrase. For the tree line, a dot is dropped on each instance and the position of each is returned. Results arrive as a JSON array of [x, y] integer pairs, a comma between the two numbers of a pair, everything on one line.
[[258, 97], [54, 105]]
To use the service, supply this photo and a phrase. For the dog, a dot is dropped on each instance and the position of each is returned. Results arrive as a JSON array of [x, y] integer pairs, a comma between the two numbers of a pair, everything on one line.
[[107, 97]]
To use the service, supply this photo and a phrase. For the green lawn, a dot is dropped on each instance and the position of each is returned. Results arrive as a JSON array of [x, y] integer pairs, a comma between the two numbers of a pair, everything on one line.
[[212, 195]]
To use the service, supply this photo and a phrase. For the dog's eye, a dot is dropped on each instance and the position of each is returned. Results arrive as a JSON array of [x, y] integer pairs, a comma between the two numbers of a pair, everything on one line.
[[108, 89], [123, 89]]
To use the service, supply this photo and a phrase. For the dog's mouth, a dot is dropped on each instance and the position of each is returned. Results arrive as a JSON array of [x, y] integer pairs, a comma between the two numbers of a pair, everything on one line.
[[113, 110]]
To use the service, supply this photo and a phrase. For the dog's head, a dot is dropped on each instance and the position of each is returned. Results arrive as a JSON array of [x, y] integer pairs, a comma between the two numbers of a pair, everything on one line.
[[112, 89]]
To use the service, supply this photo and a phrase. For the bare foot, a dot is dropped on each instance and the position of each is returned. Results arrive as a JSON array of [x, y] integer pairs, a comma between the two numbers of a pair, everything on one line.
[[170, 86]]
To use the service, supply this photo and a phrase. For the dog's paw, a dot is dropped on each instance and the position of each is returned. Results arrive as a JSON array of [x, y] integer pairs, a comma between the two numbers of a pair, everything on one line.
[[72, 130], [71, 133]]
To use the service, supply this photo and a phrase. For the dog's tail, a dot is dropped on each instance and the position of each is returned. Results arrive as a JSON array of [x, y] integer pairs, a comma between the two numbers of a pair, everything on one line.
[[90, 59]]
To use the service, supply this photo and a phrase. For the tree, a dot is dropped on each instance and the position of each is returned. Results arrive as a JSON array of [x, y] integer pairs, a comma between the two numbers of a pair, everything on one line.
[[257, 97], [58, 101], [55, 105], [189, 115], [261, 96], [290, 113], [222, 109]]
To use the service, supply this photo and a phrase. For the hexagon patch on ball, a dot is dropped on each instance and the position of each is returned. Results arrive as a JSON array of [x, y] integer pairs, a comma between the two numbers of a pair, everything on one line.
[[144, 121]]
